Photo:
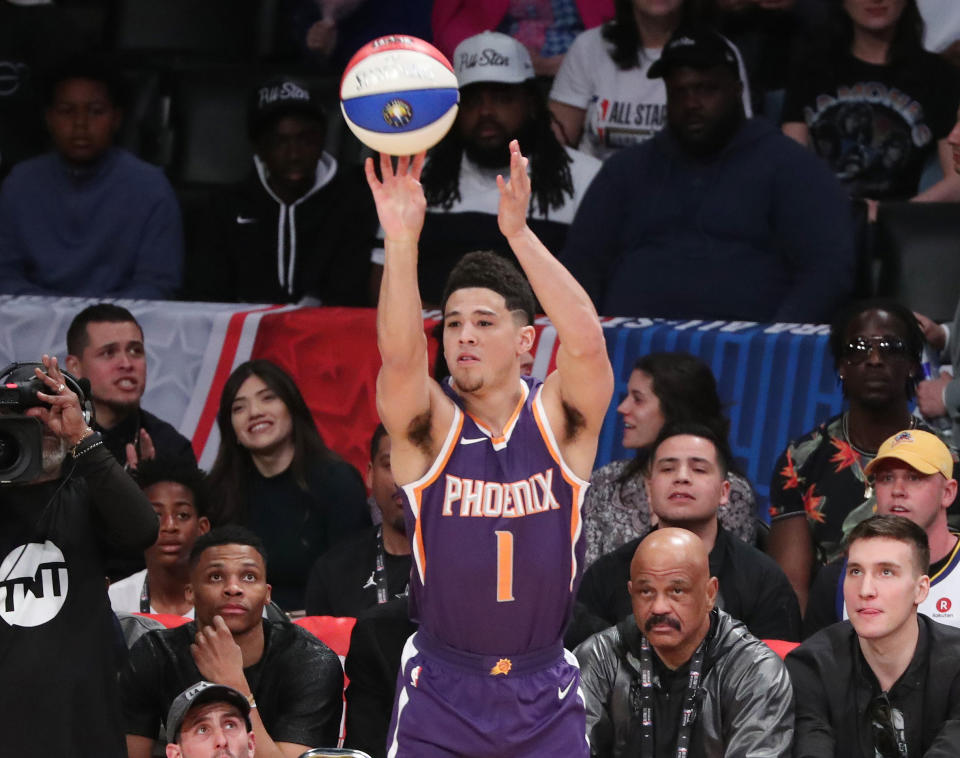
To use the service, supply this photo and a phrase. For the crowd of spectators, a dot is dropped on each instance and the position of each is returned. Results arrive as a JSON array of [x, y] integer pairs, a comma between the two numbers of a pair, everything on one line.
[[664, 177]]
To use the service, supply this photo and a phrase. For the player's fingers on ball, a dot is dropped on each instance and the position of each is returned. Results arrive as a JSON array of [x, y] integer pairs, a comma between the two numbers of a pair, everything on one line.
[[371, 173], [386, 167], [418, 161], [403, 164]]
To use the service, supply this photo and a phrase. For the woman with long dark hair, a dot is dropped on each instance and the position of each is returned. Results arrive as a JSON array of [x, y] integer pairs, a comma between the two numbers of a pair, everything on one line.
[[664, 388], [601, 98], [873, 103], [274, 474]]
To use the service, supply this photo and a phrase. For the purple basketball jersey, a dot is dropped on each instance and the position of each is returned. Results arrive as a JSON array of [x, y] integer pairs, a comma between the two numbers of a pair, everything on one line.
[[495, 526]]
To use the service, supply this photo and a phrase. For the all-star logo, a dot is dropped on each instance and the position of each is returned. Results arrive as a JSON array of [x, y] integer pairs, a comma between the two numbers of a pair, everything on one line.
[[397, 113], [901, 437], [34, 584]]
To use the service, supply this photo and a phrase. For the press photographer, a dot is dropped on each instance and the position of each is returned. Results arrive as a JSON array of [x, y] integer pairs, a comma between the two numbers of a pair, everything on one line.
[[58, 689]]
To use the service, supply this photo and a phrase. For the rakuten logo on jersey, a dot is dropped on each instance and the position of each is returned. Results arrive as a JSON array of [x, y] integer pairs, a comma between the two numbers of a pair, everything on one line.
[[33, 584]]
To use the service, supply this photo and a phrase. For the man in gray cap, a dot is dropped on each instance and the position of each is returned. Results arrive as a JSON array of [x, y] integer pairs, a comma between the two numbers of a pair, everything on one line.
[[209, 720], [499, 102]]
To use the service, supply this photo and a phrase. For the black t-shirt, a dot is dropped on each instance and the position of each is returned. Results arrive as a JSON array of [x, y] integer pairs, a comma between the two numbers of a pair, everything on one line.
[[167, 441], [343, 581], [753, 588], [297, 526], [876, 125], [58, 660], [297, 683]]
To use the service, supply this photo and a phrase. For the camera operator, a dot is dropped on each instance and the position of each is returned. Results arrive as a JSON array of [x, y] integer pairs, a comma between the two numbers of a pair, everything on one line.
[[58, 667]]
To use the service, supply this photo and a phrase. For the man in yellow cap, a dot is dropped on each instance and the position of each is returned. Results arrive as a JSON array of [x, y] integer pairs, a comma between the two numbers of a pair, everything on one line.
[[912, 477]]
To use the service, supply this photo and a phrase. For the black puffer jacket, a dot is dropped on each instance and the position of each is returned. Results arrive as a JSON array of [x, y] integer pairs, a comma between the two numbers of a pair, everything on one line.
[[746, 704]]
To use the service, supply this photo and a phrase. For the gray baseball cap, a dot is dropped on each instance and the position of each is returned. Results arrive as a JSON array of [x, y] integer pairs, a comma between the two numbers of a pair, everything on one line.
[[492, 57], [198, 694]]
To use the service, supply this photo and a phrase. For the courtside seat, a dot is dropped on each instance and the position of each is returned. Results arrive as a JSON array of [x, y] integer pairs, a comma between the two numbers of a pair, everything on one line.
[[918, 248], [781, 647], [334, 632]]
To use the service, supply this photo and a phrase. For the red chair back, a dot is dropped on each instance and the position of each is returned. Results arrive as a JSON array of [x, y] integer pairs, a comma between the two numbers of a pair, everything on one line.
[[169, 620], [781, 647], [334, 632]]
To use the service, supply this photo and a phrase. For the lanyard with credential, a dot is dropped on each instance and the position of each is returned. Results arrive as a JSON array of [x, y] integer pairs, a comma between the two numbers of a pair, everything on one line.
[[380, 572], [647, 743]]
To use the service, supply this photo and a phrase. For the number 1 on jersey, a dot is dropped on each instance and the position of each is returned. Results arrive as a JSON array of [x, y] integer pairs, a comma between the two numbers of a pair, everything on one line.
[[504, 567]]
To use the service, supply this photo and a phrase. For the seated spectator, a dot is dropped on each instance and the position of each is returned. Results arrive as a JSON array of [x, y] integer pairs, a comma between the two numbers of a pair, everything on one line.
[[912, 477], [372, 566], [372, 665], [499, 102], [88, 219], [688, 653], [886, 682], [664, 389], [601, 98], [870, 101], [33, 37], [293, 682], [105, 347], [210, 721], [58, 639], [819, 480], [274, 474], [178, 495], [717, 216], [544, 32], [300, 227], [686, 480]]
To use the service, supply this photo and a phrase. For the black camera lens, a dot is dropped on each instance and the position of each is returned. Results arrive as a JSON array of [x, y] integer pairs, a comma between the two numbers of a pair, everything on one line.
[[9, 449]]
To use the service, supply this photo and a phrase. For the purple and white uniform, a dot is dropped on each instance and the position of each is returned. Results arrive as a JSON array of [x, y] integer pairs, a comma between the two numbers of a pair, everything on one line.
[[495, 526]]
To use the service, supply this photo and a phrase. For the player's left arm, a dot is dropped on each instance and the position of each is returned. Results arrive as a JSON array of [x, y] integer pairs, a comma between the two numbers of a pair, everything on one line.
[[577, 395]]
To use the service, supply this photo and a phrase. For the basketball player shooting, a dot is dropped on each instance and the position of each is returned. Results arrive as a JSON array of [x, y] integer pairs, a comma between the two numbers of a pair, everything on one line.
[[494, 469]]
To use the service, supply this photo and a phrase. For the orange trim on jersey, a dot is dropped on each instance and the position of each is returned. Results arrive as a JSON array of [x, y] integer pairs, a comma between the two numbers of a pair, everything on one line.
[[508, 427], [418, 496], [575, 485]]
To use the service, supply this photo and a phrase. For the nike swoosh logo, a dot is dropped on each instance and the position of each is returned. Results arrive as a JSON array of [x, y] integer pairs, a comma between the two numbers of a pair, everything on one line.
[[565, 691], [245, 220], [473, 441]]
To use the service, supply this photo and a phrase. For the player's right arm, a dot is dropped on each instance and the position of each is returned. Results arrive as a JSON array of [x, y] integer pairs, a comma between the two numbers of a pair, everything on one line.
[[411, 405]]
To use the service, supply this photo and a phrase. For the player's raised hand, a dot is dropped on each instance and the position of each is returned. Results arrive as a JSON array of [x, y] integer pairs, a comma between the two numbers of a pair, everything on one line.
[[514, 194], [401, 204]]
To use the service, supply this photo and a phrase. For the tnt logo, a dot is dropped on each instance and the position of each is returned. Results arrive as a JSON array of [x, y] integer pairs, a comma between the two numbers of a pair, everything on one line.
[[415, 675], [33, 584], [944, 604]]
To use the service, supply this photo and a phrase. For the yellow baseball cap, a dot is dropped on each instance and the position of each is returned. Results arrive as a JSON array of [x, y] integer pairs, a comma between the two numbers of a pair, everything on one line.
[[921, 450]]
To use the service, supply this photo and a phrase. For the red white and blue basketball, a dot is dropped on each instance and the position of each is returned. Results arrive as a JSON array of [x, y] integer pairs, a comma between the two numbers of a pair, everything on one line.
[[399, 95]]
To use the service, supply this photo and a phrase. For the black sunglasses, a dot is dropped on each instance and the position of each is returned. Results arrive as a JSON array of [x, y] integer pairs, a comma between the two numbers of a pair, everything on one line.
[[858, 349], [884, 734]]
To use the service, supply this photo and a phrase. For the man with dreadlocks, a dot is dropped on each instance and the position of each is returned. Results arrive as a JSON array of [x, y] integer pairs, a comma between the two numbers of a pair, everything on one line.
[[499, 102]]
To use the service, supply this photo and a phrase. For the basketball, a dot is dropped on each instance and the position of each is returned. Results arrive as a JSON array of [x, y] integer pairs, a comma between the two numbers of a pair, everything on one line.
[[399, 95]]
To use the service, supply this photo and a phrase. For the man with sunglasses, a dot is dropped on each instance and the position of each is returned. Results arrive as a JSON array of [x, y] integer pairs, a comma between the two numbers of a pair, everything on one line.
[[820, 489], [886, 683], [912, 477]]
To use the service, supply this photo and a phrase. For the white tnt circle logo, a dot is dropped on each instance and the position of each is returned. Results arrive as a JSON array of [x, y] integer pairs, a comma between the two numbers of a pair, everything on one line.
[[33, 584]]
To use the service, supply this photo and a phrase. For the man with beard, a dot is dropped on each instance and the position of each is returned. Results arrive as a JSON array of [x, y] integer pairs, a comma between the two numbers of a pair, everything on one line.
[[373, 566], [717, 216], [680, 677], [57, 635], [105, 346], [499, 102]]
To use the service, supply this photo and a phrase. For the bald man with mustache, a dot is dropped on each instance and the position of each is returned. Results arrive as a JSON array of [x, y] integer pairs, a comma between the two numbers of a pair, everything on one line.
[[694, 656]]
